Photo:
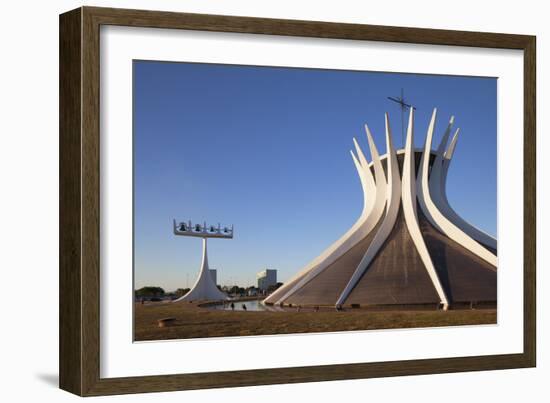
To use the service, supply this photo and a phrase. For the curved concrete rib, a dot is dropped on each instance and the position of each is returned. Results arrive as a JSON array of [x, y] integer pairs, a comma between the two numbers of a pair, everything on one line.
[[369, 197], [392, 209], [204, 287], [373, 210], [434, 215], [438, 191], [408, 196], [367, 180]]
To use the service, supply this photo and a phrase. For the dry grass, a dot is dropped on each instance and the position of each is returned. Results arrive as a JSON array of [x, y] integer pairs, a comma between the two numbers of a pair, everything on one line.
[[194, 322]]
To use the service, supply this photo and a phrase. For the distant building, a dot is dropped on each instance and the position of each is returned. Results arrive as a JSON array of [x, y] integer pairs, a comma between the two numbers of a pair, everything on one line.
[[266, 278], [214, 274]]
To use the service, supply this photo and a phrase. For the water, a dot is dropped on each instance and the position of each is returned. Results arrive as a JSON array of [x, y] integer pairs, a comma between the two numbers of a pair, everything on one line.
[[254, 305]]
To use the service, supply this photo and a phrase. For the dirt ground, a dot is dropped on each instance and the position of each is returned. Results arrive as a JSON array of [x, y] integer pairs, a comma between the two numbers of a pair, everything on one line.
[[192, 321]]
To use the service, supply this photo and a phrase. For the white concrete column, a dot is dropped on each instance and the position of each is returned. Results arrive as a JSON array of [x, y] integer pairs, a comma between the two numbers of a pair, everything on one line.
[[434, 215], [393, 197], [408, 195]]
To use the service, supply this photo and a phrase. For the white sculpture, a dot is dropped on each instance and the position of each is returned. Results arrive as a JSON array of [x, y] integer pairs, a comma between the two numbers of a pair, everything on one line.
[[204, 287], [383, 196]]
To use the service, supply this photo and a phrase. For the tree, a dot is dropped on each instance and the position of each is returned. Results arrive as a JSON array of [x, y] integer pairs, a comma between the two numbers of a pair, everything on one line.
[[236, 290], [273, 287], [149, 291], [180, 292]]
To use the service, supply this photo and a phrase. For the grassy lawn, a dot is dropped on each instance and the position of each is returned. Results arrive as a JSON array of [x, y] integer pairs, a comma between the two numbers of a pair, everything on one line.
[[194, 322]]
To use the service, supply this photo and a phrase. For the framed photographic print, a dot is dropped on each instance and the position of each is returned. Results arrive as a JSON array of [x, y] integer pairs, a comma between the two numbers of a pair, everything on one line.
[[249, 201]]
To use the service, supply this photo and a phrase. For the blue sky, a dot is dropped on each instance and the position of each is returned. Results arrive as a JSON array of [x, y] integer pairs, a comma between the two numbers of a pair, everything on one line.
[[267, 149]]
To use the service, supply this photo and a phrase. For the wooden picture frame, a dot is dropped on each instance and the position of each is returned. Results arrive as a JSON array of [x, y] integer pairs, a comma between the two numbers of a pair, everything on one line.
[[80, 187]]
